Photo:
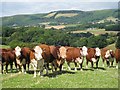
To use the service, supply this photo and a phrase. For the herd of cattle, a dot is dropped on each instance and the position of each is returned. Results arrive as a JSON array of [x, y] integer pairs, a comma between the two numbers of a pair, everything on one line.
[[40, 57]]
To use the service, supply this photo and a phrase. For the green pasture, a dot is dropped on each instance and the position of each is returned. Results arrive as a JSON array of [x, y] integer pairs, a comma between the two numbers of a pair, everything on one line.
[[4, 46], [88, 78], [96, 31]]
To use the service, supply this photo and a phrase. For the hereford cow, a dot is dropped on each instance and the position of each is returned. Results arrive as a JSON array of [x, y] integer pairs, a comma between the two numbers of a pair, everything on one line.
[[23, 57], [93, 56], [117, 56], [42, 56], [71, 54], [108, 56], [8, 57]]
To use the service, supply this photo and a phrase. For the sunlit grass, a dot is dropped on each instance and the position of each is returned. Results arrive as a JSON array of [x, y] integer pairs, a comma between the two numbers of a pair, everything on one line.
[[88, 78]]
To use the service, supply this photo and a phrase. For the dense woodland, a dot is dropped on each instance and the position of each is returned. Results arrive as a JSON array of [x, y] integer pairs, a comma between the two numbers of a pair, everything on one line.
[[31, 36]]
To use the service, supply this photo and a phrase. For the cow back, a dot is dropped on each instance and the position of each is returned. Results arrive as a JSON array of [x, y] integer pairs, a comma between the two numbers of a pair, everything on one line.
[[91, 53], [46, 52], [117, 54], [72, 53]]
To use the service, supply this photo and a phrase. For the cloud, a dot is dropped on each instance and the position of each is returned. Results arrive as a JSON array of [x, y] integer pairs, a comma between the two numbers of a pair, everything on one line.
[[59, 0], [13, 8]]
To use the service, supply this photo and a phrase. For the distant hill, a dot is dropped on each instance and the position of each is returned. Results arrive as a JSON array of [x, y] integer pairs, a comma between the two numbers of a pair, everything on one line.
[[60, 17]]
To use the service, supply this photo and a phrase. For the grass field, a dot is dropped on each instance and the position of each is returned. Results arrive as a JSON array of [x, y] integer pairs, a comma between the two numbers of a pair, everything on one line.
[[96, 31], [4, 46], [88, 78]]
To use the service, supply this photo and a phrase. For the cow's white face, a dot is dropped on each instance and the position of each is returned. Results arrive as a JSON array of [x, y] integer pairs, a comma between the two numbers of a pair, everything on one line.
[[84, 51], [62, 51], [38, 53], [17, 51], [98, 52], [107, 55]]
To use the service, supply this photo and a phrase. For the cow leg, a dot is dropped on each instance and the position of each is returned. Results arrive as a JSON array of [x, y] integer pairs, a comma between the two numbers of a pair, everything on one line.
[[103, 63], [60, 67], [34, 64], [75, 66], [16, 66], [108, 63], [92, 64], [2, 68], [112, 63], [80, 65], [46, 66], [6, 68], [87, 64], [68, 63], [97, 64], [116, 64], [11, 67], [24, 68], [41, 71], [28, 66]]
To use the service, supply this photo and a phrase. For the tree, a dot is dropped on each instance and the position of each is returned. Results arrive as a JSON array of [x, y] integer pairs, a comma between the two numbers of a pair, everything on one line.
[[118, 42]]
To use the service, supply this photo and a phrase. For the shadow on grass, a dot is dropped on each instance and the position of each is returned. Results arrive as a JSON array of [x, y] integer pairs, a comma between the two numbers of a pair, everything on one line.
[[101, 68], [88, 69], [54, 74], [13, 71]]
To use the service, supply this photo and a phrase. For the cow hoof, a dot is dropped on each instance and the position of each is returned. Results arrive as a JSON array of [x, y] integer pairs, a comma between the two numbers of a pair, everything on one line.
[[81, 70], [116, 67], [41, 76], [24, 72], [75, 69], [19, 72]]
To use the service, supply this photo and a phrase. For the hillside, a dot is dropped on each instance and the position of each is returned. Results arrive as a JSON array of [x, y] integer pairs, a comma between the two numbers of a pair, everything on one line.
[[60, 17]]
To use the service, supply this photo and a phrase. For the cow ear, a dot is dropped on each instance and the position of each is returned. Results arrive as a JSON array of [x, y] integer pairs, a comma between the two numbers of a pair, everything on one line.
[[32, 50]]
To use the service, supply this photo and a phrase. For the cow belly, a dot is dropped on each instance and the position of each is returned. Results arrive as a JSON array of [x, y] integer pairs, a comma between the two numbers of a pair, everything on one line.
[[79, 60], [94, 60]]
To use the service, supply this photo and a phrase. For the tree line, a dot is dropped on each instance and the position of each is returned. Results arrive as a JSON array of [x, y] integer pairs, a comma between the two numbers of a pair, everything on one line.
[[31, 36]]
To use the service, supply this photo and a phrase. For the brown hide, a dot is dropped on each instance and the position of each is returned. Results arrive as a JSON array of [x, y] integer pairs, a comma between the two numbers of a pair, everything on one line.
[[103, 53], [117, 55], [25, 54], [91, 54], [8, 56], [53, 51], [32, 56], [72, 53], [47, 56]]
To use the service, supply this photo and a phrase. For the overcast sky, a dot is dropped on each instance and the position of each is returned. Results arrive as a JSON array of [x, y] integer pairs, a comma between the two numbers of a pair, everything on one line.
[[11, 7]]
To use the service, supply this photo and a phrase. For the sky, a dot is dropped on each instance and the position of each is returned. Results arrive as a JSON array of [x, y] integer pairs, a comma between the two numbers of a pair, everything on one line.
[[11, 7]]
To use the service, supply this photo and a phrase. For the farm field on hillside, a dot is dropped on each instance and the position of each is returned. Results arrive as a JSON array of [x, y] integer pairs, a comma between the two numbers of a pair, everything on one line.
[[96, 31], [88, 78]]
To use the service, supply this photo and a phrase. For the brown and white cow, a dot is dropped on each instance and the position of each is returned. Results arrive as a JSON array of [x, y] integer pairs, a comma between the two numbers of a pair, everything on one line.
[[23, 57], [93, 56], [108, 56], [35, 58], [117, 56], [8, 57], [42, 56], [71, 54]]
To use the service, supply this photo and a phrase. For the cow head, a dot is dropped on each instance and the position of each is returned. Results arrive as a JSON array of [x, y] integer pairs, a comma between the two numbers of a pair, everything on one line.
[[109, 53], [38, 53], [62, 52], [17, 51], [98, 52], [18, 54], [84, 51]]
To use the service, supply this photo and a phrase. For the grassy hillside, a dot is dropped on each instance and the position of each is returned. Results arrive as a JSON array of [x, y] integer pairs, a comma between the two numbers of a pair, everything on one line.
[[58, 17], [88, 78]]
